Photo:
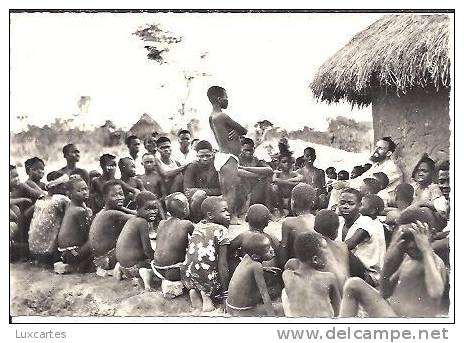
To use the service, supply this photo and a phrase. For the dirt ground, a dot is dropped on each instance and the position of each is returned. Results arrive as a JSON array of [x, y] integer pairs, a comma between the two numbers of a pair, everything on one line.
[[36, 291]]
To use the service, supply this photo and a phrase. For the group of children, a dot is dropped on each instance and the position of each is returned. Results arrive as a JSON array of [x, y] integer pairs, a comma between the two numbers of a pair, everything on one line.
[[341, 246]]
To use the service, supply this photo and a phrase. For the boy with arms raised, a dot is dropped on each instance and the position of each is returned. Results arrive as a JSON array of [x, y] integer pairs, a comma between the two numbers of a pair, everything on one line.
[[205, 271], [133, 247], [106, 227], [309, 291], [302, 202], [172, 238], [247, 283], [73, 238], [227, 133], [413, 278]]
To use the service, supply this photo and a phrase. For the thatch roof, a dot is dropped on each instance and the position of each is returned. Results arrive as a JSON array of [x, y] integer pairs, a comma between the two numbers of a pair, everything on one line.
[[145, 126], [396, 53]]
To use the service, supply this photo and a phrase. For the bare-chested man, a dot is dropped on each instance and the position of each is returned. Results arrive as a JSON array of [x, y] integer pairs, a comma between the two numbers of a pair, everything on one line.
[[227, 133], [413, 278]]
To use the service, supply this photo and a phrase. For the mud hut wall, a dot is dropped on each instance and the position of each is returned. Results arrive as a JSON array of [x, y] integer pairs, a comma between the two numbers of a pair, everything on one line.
[[419, 122]]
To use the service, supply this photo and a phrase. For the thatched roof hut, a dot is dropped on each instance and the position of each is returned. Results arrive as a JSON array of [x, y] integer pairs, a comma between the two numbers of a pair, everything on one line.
[[401, 65], [145, 126]]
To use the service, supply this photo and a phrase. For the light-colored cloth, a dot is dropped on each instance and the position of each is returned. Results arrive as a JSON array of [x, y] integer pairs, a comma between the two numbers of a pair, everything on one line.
[[138, 162], [184, 159], [46, 223], [389, 168], [220, 159], [428, 194], [371, 252], [338, 187], [442, 206]]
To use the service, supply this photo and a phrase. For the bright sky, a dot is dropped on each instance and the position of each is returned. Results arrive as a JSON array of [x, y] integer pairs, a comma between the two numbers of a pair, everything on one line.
[[265, 61]]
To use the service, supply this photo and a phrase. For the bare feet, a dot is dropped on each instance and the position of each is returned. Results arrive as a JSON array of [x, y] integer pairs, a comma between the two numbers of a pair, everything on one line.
[[117, 272], [208, 305], [195, 299], [147, 276]]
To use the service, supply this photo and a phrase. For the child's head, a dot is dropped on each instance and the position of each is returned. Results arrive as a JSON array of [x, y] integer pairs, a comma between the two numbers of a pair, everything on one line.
[[215, 210], [178, 205], [331, 173], [127, 167], [184, 137], [35, 168], [404, 192], [369, 186], [77, 189], [247, 149], [258, 247], [343, 175], [326, 223], [71, 153], [349, 203], [204, 153], [147, 206], [150, 143], [303, 198], [357, 171], [57, 183], [444, 178], [258, 217], [218, 96], [133, 144], [382, 178], [14, 177], [93, 174], [367, 166], [164, 147], [408, 217], [311, 249], [113, 194], [286, 162], [371, 205], [194, 143], [148, 162], [309, 155], [424, 171], [108, 164]]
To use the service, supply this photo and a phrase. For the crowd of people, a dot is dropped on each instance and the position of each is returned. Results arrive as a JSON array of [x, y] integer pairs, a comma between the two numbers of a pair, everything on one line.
[[370, 238]]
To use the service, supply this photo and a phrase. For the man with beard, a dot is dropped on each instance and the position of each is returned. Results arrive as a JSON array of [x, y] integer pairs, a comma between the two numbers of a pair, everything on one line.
[[201, 179], [72, 155], [382, 162]]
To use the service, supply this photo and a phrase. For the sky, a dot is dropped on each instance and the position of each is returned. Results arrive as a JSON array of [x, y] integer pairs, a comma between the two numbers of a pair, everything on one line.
[[265, 61]]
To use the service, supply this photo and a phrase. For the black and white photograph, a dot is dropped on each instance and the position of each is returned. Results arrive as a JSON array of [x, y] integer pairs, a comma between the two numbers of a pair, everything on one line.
[[231, 163]]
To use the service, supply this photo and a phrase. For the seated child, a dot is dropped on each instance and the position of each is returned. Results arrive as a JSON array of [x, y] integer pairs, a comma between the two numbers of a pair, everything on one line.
[[338, 187], [47, 218], [302, 202], [73, 238], [384, 181], [369, 186], [108, 166], [413, 277], [247, 284], [106, 227], [425, 191], [361, 236], [205, 270], [131, 184], [309, 291], [281, 188], [326, 223], [133, 247], [172, 238], [357, 171], [35, 170], [151, 180]]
